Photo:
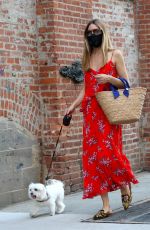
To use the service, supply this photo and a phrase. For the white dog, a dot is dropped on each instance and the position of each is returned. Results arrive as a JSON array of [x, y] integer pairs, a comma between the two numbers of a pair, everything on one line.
[[50, 196]]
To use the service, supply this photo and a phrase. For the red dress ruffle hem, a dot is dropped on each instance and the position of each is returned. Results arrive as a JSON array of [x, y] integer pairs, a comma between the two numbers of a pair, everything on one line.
[[105, 167]]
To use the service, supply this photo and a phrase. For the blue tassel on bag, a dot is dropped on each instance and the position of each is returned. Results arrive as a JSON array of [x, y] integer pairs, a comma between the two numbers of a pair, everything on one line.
[[115, 91]]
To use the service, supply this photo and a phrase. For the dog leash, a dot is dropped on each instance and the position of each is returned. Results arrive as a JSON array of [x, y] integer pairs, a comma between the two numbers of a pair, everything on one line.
[[54, 153], [66, 122]]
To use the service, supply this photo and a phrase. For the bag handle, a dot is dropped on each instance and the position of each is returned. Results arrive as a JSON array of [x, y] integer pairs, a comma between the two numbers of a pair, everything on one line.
[[126, 86], [115, 91]]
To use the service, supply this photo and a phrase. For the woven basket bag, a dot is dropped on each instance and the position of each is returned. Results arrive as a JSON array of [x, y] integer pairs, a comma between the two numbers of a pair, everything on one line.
[[123, 109]]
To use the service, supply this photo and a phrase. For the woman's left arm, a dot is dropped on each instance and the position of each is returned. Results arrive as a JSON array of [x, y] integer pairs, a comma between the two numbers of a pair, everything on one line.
[[121, 69]]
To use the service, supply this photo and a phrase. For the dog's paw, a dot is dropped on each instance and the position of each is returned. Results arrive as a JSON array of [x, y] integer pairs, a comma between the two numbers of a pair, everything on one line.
[[60, 209], [33, 215], [52, 213]]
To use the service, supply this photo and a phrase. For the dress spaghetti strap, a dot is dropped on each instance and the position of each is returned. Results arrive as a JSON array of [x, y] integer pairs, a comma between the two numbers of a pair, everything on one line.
[[112, 54]]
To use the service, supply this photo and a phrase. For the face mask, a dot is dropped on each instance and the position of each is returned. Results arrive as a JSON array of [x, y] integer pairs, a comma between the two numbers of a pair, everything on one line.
[[95, 40]]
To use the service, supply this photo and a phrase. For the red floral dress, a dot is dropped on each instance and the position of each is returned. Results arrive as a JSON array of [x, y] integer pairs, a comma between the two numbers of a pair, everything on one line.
[[105, 167]]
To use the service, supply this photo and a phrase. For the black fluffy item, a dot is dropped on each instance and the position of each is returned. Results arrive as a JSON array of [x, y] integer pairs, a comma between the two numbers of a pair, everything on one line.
[[74, 72]]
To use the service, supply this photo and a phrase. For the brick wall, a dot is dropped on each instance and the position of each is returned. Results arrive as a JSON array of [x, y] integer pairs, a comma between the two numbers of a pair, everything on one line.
[[119, 16], [60, 42], [18, 63], [19, 102], [61, 36], [142, 18]]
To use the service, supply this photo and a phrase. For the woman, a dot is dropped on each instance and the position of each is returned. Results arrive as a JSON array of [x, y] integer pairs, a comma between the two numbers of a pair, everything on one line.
[[105, 167]]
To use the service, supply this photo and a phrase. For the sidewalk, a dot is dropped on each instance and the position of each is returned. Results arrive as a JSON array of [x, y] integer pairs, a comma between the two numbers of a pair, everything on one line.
[[17, 216]]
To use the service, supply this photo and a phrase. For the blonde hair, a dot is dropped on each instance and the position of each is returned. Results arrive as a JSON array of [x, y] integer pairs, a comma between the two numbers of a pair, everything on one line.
[[106, 44]]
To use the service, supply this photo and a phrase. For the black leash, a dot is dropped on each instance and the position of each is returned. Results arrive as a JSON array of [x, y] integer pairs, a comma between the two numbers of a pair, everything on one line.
[[66, 122], [47, 177]]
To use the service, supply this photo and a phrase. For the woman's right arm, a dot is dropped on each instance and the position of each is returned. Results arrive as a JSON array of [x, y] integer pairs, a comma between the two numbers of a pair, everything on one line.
[[77, 102]]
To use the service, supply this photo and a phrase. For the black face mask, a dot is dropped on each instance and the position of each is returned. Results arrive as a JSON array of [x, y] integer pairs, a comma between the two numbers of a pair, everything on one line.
[[95, 40]]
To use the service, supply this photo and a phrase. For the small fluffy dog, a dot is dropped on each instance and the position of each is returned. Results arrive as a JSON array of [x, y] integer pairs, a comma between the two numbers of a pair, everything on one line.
[[50, 196]]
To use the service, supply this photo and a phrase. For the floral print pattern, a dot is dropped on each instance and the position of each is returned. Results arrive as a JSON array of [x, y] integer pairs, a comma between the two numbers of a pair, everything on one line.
[[105, 167]]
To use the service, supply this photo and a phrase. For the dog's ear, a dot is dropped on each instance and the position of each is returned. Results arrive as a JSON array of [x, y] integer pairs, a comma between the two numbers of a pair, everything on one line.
[[31, 183]]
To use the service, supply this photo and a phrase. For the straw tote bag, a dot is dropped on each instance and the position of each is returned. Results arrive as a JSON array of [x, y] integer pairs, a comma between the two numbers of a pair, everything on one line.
[[123, 106]]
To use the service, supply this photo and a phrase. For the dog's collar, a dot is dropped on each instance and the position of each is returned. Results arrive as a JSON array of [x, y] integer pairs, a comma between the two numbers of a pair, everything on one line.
[[45, 199]]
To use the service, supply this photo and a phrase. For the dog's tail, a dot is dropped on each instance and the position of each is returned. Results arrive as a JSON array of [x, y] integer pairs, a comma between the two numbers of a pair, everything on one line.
[[54, 181]]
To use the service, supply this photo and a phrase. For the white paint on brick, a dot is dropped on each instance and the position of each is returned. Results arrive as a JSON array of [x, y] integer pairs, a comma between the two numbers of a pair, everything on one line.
[[17, 9], [116, 16]]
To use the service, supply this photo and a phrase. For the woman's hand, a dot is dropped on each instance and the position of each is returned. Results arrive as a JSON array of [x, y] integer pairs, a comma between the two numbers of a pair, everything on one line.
[[77, 102], [71, 109], [103, 78]]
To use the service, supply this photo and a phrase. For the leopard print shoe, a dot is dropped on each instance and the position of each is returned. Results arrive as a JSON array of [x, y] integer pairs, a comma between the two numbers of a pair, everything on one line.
[[101, 215]]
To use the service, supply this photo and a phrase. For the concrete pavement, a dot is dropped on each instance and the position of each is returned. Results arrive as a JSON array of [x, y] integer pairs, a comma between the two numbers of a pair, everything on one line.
[[17, 216]]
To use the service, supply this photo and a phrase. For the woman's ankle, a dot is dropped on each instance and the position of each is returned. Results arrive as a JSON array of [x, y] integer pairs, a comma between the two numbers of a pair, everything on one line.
[[107, 209], [125, 190]]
